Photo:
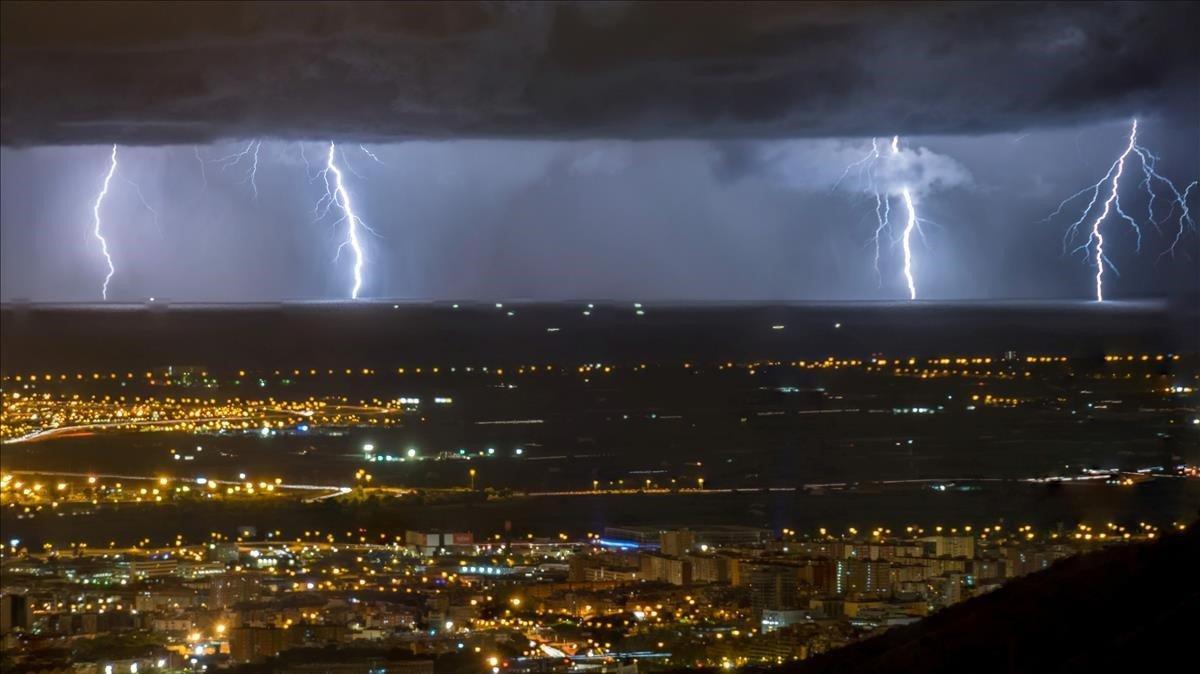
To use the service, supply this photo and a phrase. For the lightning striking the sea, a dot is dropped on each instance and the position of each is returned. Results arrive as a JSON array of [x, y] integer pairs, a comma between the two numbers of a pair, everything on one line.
[[97, 223], [96, 226], [1093, 248], [336, 195], [906, 241], [867, 169]]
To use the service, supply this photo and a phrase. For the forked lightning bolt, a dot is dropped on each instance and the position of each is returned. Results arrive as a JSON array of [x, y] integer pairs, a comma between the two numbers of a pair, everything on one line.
[[1093, 247], [252, 151], [866, 174], [336, 195], [866, 169], [97, 224]]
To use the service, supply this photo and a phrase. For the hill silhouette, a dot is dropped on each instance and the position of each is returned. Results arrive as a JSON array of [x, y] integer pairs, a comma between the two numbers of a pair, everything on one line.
[[1124, 607]]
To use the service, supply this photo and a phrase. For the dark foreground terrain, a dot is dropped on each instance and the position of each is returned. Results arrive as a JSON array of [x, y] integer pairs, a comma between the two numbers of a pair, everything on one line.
[[1089, 613]]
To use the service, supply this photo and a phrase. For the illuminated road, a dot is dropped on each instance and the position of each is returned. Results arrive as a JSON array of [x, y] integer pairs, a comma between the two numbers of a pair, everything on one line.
[[328, 491], [49, 433], [155, 478]]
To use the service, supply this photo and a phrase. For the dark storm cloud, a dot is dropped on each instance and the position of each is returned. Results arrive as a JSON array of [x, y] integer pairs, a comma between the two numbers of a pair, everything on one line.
[[170, 72]]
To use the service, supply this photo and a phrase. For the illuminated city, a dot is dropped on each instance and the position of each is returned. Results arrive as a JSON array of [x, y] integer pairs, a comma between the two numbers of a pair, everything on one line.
[[443, 514], [598, 337]]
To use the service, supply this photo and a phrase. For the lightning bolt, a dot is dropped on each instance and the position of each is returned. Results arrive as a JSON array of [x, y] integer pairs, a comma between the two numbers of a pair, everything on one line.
[[203, 169], [96, 226], [141, 197], [913, 223], [370, 154], [906, 240], [308, 172], [1185, 219], [336, 195], [1093, 247], [866, 170], [349, 166], [252, 151]]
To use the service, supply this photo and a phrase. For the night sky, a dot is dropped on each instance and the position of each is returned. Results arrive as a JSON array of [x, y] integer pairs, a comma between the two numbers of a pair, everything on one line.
[[597, 150]]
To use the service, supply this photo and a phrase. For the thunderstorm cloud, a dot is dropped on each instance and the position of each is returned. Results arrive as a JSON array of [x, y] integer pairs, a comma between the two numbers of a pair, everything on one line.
[[162, 73], [827, 164]]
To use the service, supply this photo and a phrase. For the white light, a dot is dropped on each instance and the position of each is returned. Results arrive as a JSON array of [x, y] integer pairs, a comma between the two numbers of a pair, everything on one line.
[[411, 452], [341, 198], [112, 169], [368, 447]]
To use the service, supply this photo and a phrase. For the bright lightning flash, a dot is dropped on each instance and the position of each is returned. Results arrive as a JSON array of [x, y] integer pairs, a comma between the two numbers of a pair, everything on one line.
[[96, 226], [911, 224], [336, 195], [1093, 248], [866, 169], [906, 241]]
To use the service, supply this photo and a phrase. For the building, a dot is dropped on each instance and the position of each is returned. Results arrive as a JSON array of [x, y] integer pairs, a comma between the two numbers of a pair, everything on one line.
[[773, 619], [863, 576], [429, 543], [675, 543], [665, 569], [233, 588], [950, 546], [153, 568], [772, 587], [599, 568], [222, 552], [254, 644], [709, 568], [715, 536], [14, 613]]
